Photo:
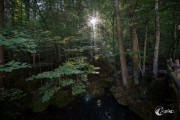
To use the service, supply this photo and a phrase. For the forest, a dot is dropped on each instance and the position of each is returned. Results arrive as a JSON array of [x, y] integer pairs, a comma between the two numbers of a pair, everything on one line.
[[89, 59]]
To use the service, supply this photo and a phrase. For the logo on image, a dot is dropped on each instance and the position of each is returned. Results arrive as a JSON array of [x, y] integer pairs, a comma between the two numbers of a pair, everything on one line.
[[159, 110]]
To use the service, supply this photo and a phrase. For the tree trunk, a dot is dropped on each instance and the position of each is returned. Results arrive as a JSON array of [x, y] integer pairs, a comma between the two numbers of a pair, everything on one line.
[[21, 17], [34, 10], [1, 13], [144, 54], [1, 47], [157, 40], [135, 56], [13, 15], [113, 33], [41, 15], [27, 2], [8, 13], [175, 28], [121, 47]]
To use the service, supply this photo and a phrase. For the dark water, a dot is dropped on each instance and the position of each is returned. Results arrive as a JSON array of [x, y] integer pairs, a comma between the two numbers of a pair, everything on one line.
[[84, 108]]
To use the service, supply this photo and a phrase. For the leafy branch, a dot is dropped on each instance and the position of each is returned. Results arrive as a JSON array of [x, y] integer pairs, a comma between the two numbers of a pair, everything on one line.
[[12, 65], [72, 73]]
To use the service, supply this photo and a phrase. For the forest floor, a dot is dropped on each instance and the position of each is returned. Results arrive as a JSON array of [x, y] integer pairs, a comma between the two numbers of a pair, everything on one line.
[[144, 98]]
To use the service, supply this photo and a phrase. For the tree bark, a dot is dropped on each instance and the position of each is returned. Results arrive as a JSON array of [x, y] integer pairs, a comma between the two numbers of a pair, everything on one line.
[[27, 2], [1, 13], [175, 28], [8, 23], [13, 15], [121, 47], [144, 54], [34, 11], [1, 47], [135, 49], [157, 40]]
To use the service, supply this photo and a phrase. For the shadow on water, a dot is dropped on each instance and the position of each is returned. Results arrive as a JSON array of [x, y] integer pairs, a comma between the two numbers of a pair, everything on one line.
[[84, 108]]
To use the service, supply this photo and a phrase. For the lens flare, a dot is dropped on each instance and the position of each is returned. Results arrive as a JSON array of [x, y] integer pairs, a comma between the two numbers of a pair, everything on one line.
[[93, 21]]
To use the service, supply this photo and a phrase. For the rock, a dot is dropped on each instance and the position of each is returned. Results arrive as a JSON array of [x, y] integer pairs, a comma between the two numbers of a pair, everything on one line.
[[95, 89], [120, 98], [37, 105], [118, 93], [60, 98]]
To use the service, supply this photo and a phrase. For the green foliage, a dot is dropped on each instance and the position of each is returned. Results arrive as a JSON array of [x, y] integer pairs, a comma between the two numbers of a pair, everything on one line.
[[73, 73], [17, 40], [48, 91], [9, 115], [66, 82], [95, 89], [78, 88], [13, 65], [113, 89], [11, 94]]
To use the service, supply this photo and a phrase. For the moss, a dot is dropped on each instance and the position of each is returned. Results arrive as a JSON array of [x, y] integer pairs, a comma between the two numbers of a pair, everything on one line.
[[37, 105], [60, 98], [140, 112], [144, 98], [95, 89], [119, 96]]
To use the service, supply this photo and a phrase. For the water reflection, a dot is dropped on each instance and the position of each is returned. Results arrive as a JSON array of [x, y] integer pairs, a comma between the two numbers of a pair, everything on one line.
[[86, 108], [99, 102]]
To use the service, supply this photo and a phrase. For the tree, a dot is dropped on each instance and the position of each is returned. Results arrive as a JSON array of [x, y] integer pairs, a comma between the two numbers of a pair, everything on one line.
[[1, 46], [8, 13], [121, 46], [134, 39], [175, 29], [157, 39], [145, 47], [27, 4]]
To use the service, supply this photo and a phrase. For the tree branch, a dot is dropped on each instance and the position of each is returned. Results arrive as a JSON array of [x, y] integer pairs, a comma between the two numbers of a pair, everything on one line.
[[41, 15]]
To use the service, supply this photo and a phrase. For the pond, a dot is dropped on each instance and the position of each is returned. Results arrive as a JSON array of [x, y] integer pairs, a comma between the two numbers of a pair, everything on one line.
[[84, 108]]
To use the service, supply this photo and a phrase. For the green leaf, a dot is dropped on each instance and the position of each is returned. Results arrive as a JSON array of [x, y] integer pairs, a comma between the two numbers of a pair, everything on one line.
[[67, 82]]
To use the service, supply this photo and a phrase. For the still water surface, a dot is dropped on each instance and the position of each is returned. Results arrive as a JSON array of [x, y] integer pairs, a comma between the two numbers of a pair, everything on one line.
[[84, 108]]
